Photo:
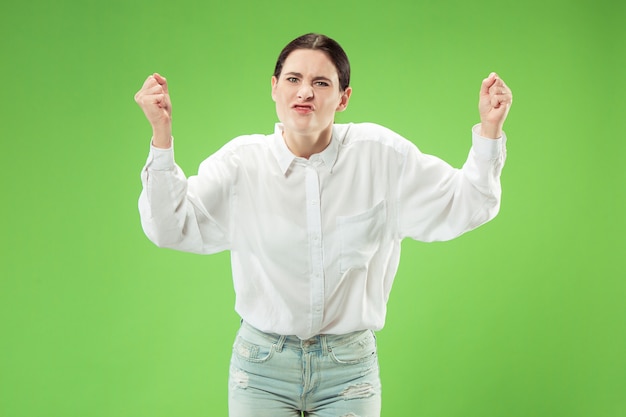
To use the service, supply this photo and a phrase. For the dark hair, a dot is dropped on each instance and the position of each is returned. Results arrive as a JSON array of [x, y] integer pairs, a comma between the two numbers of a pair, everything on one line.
[[322, 43]]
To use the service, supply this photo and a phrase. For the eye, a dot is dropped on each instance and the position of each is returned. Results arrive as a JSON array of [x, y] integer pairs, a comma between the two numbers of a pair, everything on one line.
[[321, 84], [292, 80]]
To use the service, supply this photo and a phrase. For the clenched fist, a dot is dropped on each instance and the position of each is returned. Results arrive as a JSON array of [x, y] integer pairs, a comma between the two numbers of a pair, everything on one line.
[[494, 104], [154, 100]]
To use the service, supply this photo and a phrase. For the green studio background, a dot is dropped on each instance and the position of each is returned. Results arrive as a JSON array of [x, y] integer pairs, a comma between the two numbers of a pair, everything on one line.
[[525, 316]]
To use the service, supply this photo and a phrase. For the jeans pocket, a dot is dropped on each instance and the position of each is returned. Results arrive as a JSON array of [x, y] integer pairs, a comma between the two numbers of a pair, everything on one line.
[[252, 352], [360, 350]]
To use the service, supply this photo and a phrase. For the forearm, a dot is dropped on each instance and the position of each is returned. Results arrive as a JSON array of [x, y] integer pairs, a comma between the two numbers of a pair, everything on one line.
[[162, 200], [174, 217], [483, 168], [162, 136], [486, 159], [439, 202]]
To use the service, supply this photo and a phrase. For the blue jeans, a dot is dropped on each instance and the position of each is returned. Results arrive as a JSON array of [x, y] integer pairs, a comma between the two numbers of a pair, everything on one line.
[[284, 376]]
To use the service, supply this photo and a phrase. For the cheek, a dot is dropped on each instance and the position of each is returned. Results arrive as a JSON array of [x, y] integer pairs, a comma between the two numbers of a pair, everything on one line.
[[281, 98], [281, 108]]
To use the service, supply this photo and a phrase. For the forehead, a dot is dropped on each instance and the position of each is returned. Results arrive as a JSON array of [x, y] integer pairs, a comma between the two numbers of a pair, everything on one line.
[[310, 62]]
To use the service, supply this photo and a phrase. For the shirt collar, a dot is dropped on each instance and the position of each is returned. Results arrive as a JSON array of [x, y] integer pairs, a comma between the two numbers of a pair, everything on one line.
[[285, 157]]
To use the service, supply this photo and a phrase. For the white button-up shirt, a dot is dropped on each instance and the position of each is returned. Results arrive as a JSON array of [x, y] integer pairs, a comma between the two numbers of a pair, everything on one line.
[[315, 243]]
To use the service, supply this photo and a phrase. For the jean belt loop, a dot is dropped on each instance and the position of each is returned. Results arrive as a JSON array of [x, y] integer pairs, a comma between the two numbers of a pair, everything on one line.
[[324, 343], [280, 343]]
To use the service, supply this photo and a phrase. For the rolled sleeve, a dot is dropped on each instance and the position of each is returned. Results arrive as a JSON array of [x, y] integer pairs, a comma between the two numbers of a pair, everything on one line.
[[486, 148], [160, 159]]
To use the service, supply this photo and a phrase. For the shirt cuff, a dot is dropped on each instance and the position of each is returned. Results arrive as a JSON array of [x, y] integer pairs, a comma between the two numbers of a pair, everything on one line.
[[161, 159], [485, 147]]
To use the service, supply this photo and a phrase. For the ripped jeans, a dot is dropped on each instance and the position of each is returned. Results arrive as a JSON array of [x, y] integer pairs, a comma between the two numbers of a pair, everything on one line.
[[284, 376]]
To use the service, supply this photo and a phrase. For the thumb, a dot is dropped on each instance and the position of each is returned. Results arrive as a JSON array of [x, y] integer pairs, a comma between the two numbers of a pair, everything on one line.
[[487, 83]]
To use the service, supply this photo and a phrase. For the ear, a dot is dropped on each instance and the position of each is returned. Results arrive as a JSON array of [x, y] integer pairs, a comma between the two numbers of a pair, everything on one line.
[[345, 98], [274, 83]]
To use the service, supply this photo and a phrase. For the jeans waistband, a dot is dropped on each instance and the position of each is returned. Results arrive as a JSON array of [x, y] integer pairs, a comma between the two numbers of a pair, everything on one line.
[[321, 342]]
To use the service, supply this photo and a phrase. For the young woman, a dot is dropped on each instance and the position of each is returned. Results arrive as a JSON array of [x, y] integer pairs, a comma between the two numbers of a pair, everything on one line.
[[313, 215]]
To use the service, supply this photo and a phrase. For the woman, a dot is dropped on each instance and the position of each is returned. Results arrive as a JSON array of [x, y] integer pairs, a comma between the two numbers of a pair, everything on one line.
[[313, 215]]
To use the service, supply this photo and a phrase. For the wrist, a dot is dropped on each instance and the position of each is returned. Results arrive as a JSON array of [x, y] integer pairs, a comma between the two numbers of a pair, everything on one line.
[[490, 131], [162, 138]]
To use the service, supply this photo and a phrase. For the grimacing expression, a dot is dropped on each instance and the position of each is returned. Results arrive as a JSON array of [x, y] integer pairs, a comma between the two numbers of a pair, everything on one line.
[[307, 92]]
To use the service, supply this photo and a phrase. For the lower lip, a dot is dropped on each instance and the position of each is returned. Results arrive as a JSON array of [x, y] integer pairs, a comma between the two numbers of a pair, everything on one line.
[[303, 110]]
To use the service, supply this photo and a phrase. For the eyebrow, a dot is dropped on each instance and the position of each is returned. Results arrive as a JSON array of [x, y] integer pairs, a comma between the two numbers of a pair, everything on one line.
[[316, 78]]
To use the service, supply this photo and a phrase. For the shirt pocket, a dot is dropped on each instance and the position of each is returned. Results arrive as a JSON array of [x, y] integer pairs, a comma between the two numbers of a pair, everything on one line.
[[360, 236]]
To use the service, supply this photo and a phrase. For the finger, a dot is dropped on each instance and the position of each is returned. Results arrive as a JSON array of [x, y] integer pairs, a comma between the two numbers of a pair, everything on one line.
[[150, 82], [501, 100], [498, 90], [155, 89], [506, 99], [144, 95], [161, 80], [499, 87], [155, 99], [487, 83]]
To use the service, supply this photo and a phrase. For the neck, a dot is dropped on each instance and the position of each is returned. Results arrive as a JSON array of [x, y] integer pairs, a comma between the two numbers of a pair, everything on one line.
[[305, 145]]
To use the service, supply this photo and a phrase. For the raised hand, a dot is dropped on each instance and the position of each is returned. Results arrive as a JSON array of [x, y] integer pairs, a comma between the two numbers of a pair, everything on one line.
[[154, 100], [494, 104]]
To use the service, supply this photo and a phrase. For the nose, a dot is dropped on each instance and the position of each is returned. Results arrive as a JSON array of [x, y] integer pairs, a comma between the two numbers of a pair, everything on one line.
[[305, 92]]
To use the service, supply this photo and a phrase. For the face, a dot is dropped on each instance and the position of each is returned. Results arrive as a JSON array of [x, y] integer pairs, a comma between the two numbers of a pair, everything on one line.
[[307, 93]]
